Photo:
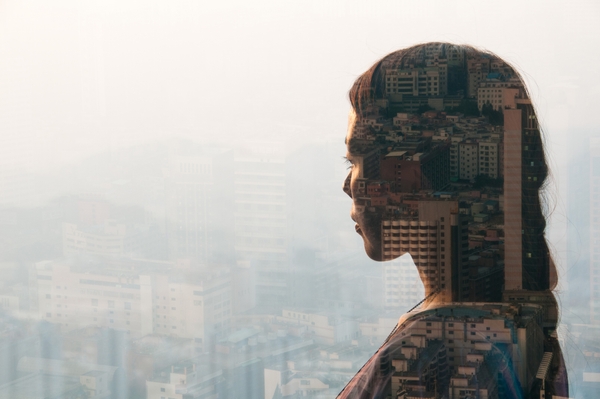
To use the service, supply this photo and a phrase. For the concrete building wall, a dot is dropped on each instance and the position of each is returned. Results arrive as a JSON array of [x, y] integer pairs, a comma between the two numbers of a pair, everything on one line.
[[260, 219], [488, 159], [594, 241], [499, 97], [469, 160], [427, 81], [138, 304], [513, 278]]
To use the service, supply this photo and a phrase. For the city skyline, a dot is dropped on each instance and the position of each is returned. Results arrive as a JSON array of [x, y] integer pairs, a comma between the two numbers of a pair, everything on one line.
[[371, 329], [111, 114]]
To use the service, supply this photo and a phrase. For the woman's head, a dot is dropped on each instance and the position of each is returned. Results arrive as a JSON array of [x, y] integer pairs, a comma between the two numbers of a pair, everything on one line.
[[446, 163]]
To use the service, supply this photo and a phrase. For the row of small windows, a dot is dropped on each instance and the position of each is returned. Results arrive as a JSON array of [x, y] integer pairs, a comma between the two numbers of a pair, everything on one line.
[[405, 79], [194, 168]]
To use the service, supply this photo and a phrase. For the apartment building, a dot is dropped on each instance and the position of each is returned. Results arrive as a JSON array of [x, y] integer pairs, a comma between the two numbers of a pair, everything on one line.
[[437, 240], [468, 153], [460, 344], [418, 81], [199, 192], [498, 94], [489, 157], [141, 298], [107, 239], [261, 218]]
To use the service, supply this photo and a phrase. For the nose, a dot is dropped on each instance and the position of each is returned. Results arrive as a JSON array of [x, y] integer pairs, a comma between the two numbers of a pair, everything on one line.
[[346, 185]]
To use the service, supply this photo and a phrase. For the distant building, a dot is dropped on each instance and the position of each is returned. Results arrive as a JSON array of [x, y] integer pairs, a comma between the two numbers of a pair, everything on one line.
[[468, 160], [324, 328], [186, 380], [304, 384], [140, 298], [498, 94], [477, 70], [414, 171], [454, 156], [199, 204], [260, 218], [42, 378], [488, 162], [424, 81], [527, 262], [107, 239], [482, 71], [485, 275], [402, 286], [594, 232]]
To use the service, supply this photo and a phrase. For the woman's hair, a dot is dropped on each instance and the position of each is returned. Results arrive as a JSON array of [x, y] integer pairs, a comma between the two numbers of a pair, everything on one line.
[[539, 272]]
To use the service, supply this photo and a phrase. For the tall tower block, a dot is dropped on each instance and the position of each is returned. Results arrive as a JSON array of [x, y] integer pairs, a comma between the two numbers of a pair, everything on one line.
[[513, 276], [527, 261], [535, 256]]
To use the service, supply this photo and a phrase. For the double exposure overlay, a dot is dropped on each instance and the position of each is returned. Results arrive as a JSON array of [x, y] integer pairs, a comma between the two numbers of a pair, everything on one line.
[[210, 200], [446, 164]]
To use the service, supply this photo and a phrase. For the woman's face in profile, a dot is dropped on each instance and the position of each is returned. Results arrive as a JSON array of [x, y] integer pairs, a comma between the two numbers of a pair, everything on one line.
[[368, 223]]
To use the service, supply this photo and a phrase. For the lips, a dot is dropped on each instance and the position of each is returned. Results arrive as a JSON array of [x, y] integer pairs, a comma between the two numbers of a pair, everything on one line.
[[356, 226]]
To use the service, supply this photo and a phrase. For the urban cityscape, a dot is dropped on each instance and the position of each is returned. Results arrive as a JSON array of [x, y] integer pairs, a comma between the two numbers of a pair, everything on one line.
[[182, 270]]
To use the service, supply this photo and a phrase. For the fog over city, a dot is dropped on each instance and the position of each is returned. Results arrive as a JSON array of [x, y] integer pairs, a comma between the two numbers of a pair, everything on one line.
[[172, 220]]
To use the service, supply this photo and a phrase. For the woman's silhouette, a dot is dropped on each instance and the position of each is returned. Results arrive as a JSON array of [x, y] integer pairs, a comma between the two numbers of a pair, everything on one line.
[[447, 164]]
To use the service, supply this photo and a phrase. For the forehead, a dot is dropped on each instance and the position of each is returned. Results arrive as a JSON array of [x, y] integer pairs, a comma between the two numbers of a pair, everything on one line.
[[351, 123], [354, 144]]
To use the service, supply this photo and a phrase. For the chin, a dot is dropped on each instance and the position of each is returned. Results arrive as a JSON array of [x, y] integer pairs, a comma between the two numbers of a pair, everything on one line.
[[373, 251], [371, 239]]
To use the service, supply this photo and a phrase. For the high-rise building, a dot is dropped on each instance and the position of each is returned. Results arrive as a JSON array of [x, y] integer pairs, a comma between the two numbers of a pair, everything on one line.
[[477, 70], [527, 260], [454, 155], [260, 218], [437, 237], [468, 152], [106, 239], [594, 229], [527, 268], [402, 285], [199, 203], [489, 158], [583, 229]]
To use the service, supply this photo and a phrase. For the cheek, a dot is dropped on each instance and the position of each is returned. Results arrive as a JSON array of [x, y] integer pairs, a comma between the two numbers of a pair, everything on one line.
[[356, 190]]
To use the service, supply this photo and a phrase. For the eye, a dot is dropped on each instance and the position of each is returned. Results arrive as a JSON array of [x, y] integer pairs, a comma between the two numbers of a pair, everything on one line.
[[348, 163]]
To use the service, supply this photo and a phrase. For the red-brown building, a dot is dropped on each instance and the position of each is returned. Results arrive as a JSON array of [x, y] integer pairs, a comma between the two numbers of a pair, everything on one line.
[[415, 171]]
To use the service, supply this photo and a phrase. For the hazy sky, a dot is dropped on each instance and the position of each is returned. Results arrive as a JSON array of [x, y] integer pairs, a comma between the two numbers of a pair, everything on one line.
[[81, 76]]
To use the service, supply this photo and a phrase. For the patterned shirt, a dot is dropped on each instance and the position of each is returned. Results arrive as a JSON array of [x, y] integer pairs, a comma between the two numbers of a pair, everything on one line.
[[464, 351]]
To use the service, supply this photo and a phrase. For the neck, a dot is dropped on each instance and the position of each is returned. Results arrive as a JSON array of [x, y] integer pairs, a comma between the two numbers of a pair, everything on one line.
[[432, 292], [428, 301]]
